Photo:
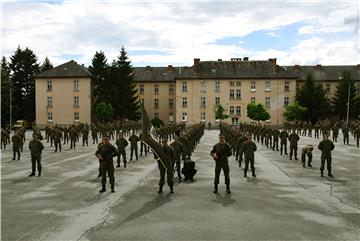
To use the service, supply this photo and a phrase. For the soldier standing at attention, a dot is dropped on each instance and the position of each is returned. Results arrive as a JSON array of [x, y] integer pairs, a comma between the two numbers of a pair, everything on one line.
[[57, 139], [143, 147], [293, 138], [209, 125], [85, 136], [326, 146], [276, 134], [249, 149], [16, 140], [307, 151], [220, 152], [242, 141], [283, 141], [166, 166], [134, 139], [105, 153], [121, 144], [345, 131], [335, 131], [36, 148]]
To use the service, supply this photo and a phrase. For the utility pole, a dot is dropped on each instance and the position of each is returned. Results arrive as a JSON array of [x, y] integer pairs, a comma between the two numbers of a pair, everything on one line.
[[10, 106], [348, 106]]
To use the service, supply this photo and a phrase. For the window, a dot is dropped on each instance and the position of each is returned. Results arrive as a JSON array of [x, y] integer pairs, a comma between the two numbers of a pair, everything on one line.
[[267, 102], [156, 88], [156, 103], [184, 87], [49, 101], [238, 110], [184, 116], [235, 121], [76, 117], [171, 103], [76, 101], [202, 116], [184, 102], [286, 101], [267, 85], [238, 83], [327, 88], [232, 110], [217, 86], [287, 86], [76, 85], [141, 89], [217, 100], [171, 117], [171, 88], [253, 99], [156, 115], [49, 85], [202, 102], [50, 117], [203, 87], [232, 94], [253, 86], [232, 83], [238, 94]]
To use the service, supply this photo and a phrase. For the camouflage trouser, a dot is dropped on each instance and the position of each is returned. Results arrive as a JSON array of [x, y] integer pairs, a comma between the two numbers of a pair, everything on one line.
[[143, 147], [122, 153], [16, 150], [328, 160], [169, 172], [225, 167], [275, 145], [252, 162], [85, 141], [283, 144], [36, 161], [57, 145], [293, 150], [303, 157], [109, 169], [346, 139], [132, 150], [95, 139], [240, 154]]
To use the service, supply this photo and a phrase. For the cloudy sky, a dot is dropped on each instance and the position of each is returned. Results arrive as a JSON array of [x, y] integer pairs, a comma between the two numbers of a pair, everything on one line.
[[162, 32]]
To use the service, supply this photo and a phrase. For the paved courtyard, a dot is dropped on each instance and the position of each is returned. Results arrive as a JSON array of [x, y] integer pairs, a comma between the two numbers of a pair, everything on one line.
[[284, 202]]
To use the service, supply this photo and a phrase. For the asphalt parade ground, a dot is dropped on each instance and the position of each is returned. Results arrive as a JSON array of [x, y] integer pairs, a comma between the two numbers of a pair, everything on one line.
[[284, 202]]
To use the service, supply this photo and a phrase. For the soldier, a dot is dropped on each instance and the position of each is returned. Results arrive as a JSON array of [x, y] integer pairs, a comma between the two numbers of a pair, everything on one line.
[[3, 139], [249, 149], [283, 141], [94, 134], [143, 146], [85, 136], [16, 140], [240, 152], [134, 139], [73, 137], [57, 139], [317, 127], [189, 170], [121, 144], [345, 131], [166, 166], [293, 139], [335, 131], [326, 146], [177, 146], [357, 135], [209, 125], [105, 153], [36, 148], [307, 151], [220, 152], [276, 134]]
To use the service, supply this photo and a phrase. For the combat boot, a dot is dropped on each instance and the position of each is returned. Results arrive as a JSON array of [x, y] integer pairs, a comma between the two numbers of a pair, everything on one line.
[[103, 189], [112, 188], [32, 174], [215, 188], [322, 173], [228, 188], [245, 173], [303, 164], [253, 174], [118, 164], [329, 173], [309, 164], [160, 189], [171, 189], [39, 175]]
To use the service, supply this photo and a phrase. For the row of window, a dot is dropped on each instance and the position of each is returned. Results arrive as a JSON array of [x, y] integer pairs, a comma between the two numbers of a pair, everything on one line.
[[217, 87], [76, 117], [75, 84], [76, 101]]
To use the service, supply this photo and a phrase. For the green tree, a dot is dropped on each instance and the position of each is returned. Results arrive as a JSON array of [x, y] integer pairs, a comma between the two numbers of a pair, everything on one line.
[[123, 92], [312, 96], [157, 122], [103, 111], [100, 77], [219, 113], [256, 111], [294, 112], [46, 65], [340, 99], [5, 92], [23, 67]]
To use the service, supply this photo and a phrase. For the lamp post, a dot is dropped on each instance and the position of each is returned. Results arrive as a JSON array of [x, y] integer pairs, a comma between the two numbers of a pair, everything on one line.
[[348, 106]]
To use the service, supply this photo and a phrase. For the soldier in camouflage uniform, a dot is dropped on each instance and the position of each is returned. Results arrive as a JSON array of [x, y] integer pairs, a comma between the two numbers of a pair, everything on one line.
[[143, 146], [326, 146], [177, 146], [275, 134], [16, 140], [134, 139], [121, 144], [166, 166], [293, 139], [36, 148], [335, 131], [3, 139], [57, 139], [307, 151], [283, 142], [345, 131], [249, 149], [240, 152], [73, 137], [85, 136]]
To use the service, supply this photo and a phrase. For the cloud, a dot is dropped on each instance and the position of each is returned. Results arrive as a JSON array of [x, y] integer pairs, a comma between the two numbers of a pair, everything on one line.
[[181, 30]]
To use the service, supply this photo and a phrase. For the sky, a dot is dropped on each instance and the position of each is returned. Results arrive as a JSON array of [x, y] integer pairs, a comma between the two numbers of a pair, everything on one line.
[[160, 33]]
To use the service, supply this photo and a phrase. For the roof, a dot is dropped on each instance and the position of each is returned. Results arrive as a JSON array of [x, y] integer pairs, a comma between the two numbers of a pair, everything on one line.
[[67, 70], [324, 73]]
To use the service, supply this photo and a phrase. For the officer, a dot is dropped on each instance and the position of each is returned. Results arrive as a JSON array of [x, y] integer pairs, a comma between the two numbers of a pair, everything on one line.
[[249, 149], [166, 166], [134, 139], [36, 148], [283, 141], [16, 140], [121, 144], [293, 139], [105, 153], [189, 170], [326, 146], [220, 152], [307, 151]]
